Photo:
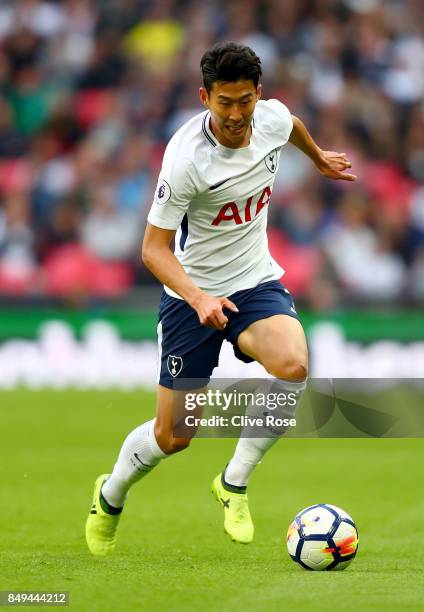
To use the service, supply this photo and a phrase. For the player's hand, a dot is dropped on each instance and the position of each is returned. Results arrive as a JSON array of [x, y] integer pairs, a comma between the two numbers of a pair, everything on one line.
[[210, 311], [334, 165]]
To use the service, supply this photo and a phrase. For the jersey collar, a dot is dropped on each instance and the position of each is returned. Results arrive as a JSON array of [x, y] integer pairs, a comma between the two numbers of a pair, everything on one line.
[[207, 130]]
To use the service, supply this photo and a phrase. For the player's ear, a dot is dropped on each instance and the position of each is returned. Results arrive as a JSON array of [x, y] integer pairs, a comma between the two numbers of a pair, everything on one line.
[[204, 98], [259, 92]]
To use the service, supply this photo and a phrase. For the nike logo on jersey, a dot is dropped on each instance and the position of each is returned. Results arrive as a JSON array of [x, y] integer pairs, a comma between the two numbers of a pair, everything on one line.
[[212, 187]]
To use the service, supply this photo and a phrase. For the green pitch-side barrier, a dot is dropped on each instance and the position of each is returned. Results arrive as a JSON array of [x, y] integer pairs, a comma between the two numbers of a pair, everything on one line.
[[362, 326]]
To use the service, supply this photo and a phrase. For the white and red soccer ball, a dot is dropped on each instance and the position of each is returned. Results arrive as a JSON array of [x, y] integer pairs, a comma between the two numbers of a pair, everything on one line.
[[322, 537]]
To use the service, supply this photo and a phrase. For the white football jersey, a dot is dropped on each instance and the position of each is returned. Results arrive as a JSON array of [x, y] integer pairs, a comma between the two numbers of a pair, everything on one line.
[[217, 199]]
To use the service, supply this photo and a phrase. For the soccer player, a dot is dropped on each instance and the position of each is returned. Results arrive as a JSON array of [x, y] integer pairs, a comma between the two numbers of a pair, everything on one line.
[[221, 283]]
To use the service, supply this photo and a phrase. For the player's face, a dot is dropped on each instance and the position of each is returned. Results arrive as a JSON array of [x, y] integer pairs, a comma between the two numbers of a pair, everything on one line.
[[231, 105]]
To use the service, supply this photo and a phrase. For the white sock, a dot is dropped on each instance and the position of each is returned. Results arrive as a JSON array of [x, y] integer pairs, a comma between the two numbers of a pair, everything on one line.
[[250, 451], [140, 453]]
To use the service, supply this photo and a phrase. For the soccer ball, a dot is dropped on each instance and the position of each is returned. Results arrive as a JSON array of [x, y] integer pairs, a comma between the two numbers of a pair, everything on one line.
[[322, 537]]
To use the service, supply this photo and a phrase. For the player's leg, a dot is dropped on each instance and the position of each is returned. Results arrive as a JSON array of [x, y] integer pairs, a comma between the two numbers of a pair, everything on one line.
[[188, 352], [145, 447], [261, 331], [142, 450], [279, 344]]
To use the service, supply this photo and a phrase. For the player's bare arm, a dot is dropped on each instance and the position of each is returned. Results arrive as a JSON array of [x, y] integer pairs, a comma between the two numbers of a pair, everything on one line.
[[161, 261], [330, 163]]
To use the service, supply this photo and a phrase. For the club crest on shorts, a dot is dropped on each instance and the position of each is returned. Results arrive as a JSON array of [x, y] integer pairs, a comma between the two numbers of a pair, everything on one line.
[[271, 161], [163, 192], [175, 365]]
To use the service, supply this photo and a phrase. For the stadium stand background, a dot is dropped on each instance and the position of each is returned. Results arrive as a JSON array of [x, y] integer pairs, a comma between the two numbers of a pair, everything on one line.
[[92, 91]]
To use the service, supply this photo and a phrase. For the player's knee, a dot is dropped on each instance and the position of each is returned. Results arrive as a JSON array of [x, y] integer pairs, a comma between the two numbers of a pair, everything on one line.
[[294, 369], [179, 444], [169, 444]]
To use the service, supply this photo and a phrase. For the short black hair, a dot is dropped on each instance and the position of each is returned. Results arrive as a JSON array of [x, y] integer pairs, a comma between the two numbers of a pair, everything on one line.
[[230, 62]]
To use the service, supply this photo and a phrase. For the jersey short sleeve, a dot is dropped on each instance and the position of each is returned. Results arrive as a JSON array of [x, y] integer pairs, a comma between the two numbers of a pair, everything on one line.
[[281, 118], [174, 191]]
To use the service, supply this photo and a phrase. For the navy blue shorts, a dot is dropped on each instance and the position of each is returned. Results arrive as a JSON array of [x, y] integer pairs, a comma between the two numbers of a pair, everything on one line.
[[189, 350]]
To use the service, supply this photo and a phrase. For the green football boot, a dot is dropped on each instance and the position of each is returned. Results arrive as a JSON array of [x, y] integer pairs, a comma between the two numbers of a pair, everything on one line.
[[237, 520], [101, 526]]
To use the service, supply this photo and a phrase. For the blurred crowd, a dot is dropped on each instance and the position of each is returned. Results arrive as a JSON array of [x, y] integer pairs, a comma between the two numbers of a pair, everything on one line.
[[90, 93]]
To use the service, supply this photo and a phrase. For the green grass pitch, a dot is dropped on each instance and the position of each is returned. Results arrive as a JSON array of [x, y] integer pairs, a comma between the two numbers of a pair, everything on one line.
[[172, 552]]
